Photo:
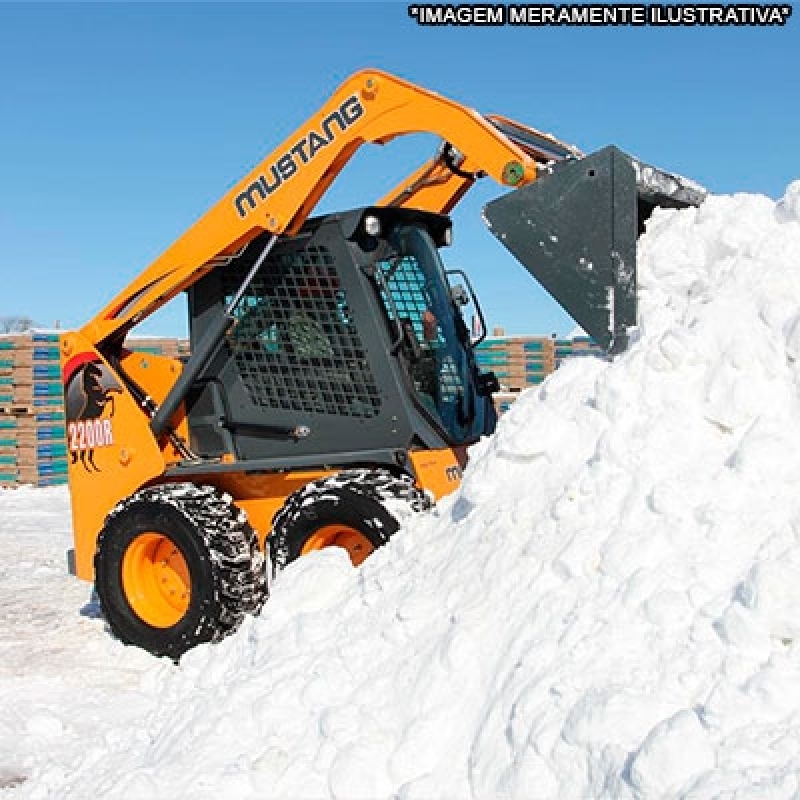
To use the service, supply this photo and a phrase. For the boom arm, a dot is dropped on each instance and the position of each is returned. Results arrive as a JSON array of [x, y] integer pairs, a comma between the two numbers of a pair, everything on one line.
[[439, 184], [279, 194]]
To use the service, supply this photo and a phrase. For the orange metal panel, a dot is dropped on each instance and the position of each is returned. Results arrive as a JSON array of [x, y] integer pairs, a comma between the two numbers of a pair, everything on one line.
[[261, 495], [112, 451], [156, 374], [438, 471]]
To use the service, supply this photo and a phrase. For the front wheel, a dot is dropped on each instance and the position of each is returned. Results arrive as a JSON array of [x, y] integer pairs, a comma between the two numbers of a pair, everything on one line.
[[177, 565], [357, 510]]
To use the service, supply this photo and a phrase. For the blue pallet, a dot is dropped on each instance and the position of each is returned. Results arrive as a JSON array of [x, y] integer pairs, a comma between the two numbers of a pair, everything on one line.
[[52, 468], [49, 416], [52, 480], [45, 401], [48, 389], [46, 354], [50, 432], [51, 450], [46, 371]]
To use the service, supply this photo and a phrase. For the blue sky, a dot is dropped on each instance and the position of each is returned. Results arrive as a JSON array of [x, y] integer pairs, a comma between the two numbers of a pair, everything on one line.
[[121, 123]]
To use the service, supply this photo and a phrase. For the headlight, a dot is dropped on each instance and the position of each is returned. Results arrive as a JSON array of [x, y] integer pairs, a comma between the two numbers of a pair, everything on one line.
[[372, 226]]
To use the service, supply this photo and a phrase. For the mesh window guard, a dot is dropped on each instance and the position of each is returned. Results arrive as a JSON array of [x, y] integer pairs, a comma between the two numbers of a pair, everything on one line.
[[295, 342]]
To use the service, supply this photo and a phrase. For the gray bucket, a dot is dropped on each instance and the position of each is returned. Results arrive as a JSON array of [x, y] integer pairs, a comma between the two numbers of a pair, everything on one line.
[[575, 230]]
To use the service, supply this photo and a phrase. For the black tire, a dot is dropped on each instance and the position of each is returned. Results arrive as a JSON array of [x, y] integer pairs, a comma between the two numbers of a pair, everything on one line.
[[358, 499], [220, 564]]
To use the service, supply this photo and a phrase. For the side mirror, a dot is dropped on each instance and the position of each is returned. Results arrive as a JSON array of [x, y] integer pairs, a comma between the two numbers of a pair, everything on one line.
[[464, 295]]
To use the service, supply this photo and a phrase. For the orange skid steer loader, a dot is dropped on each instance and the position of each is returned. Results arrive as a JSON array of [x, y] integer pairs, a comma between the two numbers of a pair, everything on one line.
[[332, 376]]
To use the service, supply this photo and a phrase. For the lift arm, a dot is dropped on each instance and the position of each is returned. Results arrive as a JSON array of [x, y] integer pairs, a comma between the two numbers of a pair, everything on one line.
[[279, 194], [439, 184]]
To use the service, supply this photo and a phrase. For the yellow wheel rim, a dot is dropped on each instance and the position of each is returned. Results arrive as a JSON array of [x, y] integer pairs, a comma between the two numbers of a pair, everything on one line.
[[156, 580], [357, 545]]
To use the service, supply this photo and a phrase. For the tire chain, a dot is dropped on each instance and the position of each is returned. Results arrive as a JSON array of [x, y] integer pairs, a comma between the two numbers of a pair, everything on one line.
[[230, 541], [380, 485]]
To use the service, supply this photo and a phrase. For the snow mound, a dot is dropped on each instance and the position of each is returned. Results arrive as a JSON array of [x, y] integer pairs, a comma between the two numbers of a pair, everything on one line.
[[608, 608]]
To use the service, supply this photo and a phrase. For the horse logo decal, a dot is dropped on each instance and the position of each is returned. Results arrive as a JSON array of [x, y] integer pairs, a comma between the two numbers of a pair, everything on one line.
[[89, 389]]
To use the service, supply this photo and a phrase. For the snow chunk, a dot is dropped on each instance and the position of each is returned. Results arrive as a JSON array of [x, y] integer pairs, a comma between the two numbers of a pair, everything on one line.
[[674, 753]]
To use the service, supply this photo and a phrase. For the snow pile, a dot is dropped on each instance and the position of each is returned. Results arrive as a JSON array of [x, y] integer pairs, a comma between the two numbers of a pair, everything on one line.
[[610, 606]]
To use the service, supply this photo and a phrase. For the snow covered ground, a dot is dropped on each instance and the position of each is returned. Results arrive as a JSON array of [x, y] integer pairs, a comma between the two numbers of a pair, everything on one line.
[[609, 608]]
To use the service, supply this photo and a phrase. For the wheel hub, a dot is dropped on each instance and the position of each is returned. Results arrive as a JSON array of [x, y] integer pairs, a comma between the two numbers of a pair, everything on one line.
[[357, 545], [156, 580]]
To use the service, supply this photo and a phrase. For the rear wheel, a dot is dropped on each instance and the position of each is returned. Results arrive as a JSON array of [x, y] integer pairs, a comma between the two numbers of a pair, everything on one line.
[[357, 510], [177, 565]]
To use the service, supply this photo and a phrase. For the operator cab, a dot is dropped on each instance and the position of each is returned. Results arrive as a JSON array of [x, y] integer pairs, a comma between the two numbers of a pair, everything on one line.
[[349, 331]]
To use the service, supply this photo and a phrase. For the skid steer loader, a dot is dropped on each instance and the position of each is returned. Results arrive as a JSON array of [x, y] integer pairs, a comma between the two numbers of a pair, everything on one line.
[[332, 380]]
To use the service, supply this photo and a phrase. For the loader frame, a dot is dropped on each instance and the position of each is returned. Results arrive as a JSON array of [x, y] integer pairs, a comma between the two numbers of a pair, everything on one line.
[[145, 433]]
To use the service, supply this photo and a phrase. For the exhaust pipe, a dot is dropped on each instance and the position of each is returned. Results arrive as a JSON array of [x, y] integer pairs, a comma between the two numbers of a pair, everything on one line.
[[575, 230]]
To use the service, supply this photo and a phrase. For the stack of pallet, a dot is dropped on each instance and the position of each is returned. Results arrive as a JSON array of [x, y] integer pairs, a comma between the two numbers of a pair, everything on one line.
[[518, 361], [523, 361], [576, 347], [539, 359], [33, 446]]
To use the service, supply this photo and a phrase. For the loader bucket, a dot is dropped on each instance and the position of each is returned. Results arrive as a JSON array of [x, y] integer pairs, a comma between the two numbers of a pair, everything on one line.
[[575, 230]]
